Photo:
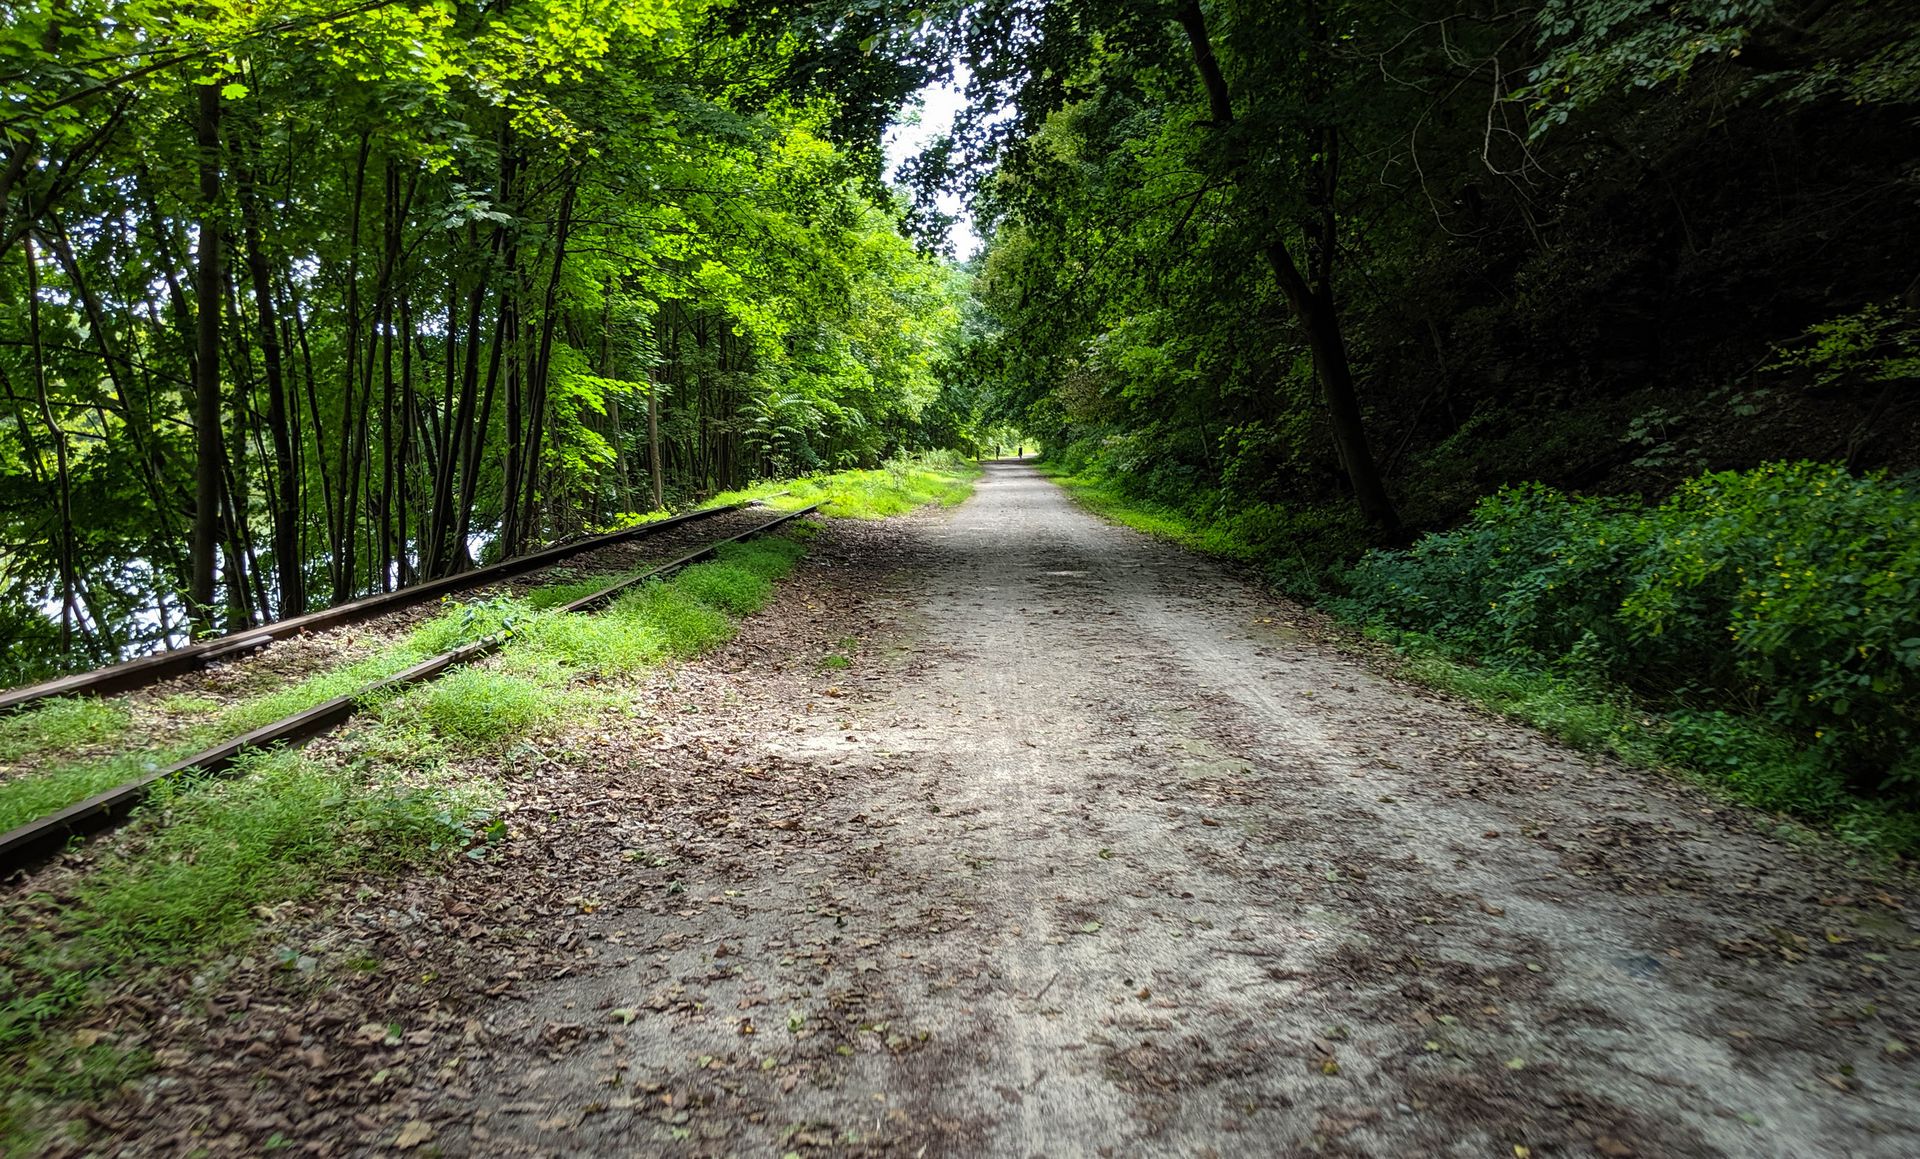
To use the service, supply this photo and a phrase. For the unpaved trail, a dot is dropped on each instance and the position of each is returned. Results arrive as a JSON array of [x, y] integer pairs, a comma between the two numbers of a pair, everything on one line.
[[1113, 863], [1095, 850]]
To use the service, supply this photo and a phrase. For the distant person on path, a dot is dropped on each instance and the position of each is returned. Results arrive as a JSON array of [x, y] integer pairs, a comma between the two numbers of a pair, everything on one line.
[[1020, 452]]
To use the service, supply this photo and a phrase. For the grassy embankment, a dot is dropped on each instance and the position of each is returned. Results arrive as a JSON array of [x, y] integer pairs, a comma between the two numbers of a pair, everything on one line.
[[1758, 632], [205, 855]]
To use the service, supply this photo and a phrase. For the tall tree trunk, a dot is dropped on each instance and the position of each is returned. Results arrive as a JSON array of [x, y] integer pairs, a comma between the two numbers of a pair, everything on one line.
[[542, 361], [664, 339], [288, 564], [1320, 316], [343, 523], [476, 447], [58, 433], [403, 454], [208, 448], [654, 466], [623, 483], [1309, 293]]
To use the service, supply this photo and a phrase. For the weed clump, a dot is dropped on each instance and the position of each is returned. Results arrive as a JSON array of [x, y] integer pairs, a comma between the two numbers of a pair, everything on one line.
[[485, 707], [728, 586]]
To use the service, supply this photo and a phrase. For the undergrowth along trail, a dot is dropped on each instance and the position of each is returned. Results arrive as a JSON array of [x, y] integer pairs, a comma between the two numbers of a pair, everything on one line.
[[1756, 632]]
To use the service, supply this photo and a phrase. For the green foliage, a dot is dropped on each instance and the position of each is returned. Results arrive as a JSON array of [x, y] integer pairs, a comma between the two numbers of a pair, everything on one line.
[[1300, 549], [60, 725], [898, 486], [484, 707], [1596, 48], [1593, 50], [1874, 344], [1790, 592], [590, 215]]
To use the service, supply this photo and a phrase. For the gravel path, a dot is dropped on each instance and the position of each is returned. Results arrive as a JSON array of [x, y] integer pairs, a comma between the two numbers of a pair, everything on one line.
[[1093, 850]]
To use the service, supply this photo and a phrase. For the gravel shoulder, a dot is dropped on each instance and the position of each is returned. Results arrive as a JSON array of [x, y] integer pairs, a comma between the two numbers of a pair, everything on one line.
[[1091, 848]]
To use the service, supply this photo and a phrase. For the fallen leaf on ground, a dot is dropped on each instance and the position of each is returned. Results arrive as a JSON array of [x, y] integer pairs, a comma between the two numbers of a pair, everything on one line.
[[413, 1133]]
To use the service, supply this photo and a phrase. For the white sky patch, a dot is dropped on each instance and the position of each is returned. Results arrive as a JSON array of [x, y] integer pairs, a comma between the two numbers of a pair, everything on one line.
[[928, 115]]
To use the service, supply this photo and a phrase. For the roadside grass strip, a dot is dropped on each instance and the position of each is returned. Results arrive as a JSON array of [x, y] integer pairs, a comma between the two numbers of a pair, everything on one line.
[[898, 486]]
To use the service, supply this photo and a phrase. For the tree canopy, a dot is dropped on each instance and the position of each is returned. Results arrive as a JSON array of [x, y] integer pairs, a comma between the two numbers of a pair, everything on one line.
[[306, 299], [1392, 255]]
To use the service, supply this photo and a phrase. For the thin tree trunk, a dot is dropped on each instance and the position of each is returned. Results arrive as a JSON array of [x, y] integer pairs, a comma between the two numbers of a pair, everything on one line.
[[134, 421], [208, 449], [403, 454], [542, 362], [289, 566], [654, 466], [1309, 294], [1320, 317], [58, 433], [476, 445]]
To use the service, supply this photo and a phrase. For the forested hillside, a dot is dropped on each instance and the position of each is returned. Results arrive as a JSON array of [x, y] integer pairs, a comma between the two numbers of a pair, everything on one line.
[[305, 300], [1410, 252]]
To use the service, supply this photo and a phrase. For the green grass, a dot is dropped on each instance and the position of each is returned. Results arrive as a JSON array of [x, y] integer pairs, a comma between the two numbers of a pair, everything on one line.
[[726, 586], [897, 487], [60, 783], [485, 707], [61, 725], [30, 797], [190, 892], [567, 590], [1739, 757], [1298, 550]]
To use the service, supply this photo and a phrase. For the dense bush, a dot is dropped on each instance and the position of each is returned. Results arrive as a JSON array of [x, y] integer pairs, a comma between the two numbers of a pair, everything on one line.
[[1791, 591]]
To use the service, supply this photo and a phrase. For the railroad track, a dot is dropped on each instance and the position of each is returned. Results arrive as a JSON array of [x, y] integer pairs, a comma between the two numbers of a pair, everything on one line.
[[146, 670], [30, 843]]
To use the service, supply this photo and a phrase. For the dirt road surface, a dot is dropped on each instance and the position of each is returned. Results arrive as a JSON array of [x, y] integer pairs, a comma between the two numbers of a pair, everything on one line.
[[1089, 848]]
